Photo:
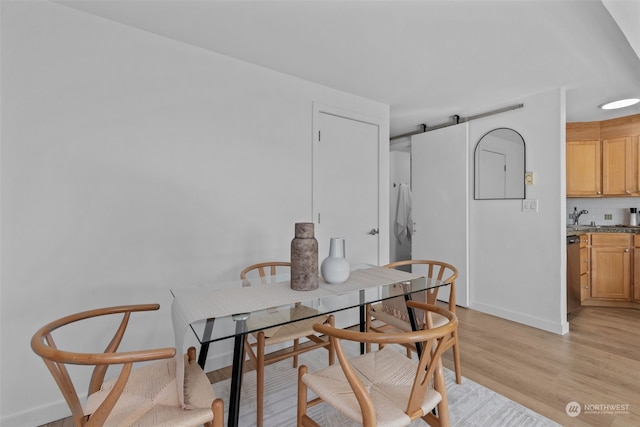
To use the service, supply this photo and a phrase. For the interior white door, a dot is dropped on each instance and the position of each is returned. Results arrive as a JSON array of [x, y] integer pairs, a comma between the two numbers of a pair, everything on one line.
[[346, 191], [345, 186], [440, 201]]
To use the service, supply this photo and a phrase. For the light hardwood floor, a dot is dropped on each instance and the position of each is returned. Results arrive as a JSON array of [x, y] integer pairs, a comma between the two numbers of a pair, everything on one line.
[[596, 363]]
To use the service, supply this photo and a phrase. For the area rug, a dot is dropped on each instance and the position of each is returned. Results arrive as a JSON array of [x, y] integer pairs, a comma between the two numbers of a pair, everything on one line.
[[470, 404]]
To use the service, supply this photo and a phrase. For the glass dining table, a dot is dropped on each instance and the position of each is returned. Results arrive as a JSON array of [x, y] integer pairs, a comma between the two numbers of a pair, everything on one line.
[[234, 309]]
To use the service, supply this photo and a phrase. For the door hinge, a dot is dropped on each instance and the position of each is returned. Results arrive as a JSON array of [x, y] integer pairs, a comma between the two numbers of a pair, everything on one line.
[[318, 217]]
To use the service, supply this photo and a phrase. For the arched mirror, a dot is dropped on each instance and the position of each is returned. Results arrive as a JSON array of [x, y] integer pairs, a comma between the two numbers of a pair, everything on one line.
[[500, 165]]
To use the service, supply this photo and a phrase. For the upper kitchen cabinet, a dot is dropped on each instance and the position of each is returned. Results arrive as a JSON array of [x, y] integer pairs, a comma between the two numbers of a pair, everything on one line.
[[603, 158], [584, 160], [584, 168], [620, 166]]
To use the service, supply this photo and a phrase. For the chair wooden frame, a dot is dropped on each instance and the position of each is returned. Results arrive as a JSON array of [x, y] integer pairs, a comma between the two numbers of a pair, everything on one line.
[[428, 370], [255, 350], [43, 344], [436, 270]]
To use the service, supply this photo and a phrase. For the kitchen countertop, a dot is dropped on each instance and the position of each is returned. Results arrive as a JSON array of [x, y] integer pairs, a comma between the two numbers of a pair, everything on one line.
[[573, 230]]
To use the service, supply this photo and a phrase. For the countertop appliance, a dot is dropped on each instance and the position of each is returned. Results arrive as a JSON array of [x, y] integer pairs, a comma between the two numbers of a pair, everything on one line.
[[573, 273]]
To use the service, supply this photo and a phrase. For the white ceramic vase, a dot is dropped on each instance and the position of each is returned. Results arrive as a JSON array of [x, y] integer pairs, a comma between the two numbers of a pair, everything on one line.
[[335, 268]]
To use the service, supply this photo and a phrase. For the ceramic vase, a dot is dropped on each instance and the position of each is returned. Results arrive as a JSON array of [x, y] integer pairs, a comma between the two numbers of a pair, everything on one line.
[[304, 258], [335, 268]]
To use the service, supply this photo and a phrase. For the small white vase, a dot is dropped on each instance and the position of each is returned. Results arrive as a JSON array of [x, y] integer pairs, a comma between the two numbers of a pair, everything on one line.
[[335, 268]]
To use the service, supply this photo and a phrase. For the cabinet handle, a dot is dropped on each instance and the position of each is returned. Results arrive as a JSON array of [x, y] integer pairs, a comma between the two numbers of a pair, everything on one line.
[[626, 250], [598, 192], [628, 192]]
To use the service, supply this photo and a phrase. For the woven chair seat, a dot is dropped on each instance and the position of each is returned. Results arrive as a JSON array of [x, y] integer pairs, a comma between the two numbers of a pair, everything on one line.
[[399, 319], [150, 397], [289, 331], [388, 376]]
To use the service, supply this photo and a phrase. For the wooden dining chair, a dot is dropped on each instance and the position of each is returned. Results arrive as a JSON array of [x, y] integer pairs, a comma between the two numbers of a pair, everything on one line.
[[146, 395], [392, 314], [383, 388], [291, 332]]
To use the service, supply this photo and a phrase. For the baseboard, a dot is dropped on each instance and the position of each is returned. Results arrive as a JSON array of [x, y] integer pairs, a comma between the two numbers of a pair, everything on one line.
[[535, 322], [37, 416]]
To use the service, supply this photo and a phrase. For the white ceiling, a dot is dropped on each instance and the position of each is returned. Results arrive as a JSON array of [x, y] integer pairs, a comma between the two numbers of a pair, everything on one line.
[[428, 60]]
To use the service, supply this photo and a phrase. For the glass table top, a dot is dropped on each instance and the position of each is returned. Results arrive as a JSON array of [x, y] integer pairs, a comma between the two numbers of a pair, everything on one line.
[[223, 310]]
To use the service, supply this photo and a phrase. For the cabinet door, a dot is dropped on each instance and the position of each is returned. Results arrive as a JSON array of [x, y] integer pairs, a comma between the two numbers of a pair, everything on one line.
[[619, 170], [584, 260], [611, 273], [584, 287], [584, 168], [636, 269]]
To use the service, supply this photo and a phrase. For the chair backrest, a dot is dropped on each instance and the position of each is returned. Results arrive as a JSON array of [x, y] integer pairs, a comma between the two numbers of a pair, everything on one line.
[[265, 270], [435, 342], [43, 344], [435, 271]]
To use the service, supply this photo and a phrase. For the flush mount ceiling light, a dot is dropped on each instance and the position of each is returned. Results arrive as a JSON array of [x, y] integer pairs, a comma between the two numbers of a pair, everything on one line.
[[620, 104]]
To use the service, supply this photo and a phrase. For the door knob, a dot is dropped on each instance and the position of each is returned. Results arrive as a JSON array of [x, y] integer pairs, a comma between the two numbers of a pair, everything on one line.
[[373, 231]]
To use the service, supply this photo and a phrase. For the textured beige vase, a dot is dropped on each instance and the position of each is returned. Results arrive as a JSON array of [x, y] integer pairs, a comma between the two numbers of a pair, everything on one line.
[[304, 258]]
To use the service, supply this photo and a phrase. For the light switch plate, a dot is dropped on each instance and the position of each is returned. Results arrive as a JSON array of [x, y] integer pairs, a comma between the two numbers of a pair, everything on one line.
[[530, 205]]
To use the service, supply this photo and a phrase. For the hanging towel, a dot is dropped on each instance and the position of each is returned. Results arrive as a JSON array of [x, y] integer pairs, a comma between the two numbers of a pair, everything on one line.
[[404, 223]]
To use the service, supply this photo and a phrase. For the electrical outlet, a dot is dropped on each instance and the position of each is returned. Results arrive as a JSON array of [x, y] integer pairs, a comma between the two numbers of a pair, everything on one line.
[[608, 217]]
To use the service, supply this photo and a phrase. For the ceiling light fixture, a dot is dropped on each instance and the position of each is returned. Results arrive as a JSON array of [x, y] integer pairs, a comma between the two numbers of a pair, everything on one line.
[[620, 104]]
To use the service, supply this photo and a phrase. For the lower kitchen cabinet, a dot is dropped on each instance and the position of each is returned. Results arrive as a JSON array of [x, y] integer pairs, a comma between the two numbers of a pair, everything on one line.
[[611, 266], [636, 268], [585, 262], [585, 287]]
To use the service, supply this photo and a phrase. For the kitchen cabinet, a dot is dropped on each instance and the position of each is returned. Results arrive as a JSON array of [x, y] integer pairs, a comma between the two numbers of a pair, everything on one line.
[[611, 268], [584, 166], [585, 262], [620, 166], [636, 268], [603, 158]]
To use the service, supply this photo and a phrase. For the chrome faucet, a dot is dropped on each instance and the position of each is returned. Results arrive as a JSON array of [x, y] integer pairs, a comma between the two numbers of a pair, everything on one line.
[[576, 214]]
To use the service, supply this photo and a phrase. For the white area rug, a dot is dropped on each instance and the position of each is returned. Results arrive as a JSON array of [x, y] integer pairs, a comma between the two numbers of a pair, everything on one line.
[[470, 404]]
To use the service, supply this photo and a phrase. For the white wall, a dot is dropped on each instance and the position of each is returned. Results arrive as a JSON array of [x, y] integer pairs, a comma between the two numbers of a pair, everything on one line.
[[518, 260], [132, 164]]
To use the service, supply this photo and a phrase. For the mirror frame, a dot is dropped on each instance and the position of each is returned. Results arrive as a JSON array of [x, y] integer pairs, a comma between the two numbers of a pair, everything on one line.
[[476, 167]]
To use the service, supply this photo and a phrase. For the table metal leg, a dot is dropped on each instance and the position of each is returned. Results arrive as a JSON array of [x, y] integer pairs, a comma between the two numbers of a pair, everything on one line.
[[363, 325], [414, 324], [204, 348], [236, 371]]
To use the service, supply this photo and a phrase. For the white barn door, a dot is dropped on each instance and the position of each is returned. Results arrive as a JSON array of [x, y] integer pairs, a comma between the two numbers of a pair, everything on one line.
[[440, 196]]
